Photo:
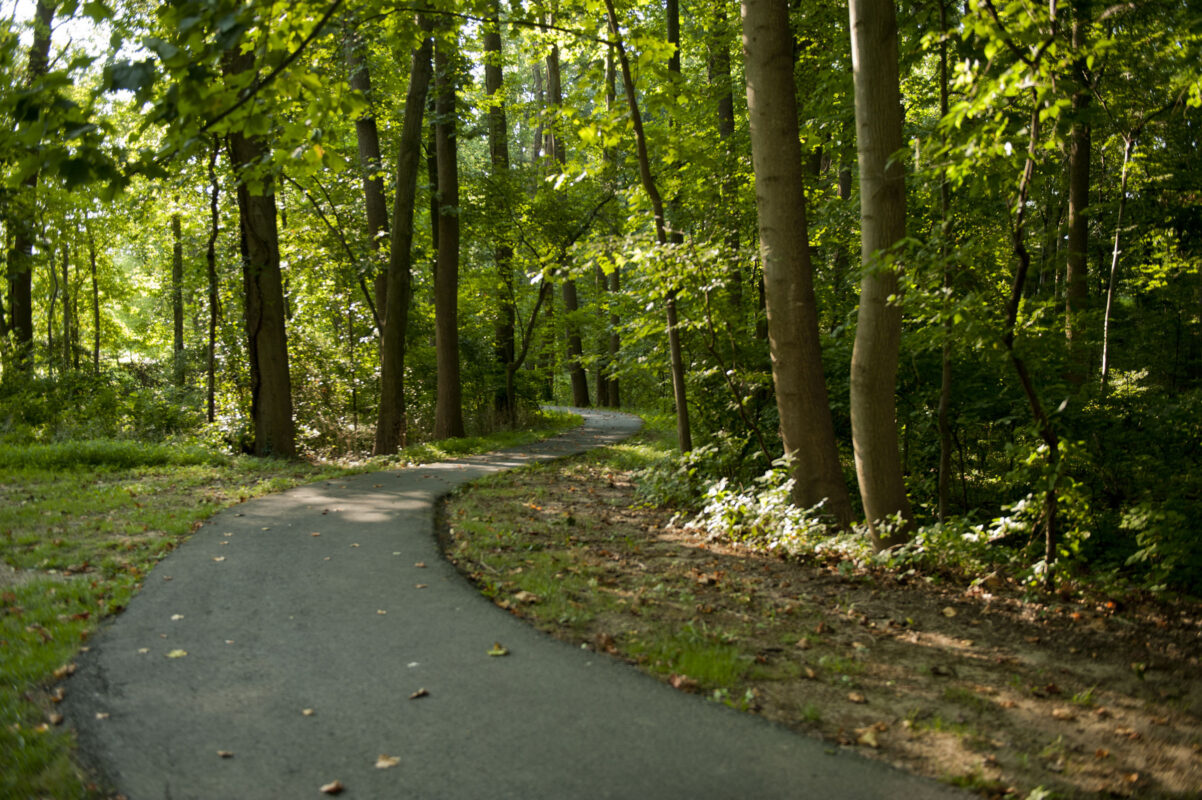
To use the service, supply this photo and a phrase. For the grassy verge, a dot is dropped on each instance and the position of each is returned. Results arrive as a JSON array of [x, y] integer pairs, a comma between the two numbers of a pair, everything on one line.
[[80, 525], [985, 688]]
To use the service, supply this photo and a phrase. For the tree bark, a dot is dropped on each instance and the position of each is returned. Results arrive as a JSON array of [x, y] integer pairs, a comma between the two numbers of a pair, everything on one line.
[[806, 427], [683, 429], [498, 149], [20, 258], [95, 305], [571, 303], [391, 423], [67, 316], [177, 298], [943, 489], [267, 343], [448, 409], [1076, 279], [1128, 147], [371, 164], [883, 225], [214, 286]]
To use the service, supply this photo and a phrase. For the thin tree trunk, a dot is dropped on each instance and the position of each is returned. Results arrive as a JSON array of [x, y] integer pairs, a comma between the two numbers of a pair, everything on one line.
[[51, 356], [683, 430], [806, 427], [177, 298], [718, 69], [498, 148], [95, 305], [1128, 146], [1076, 279], [20, 259], [571, 303], [448, 409], [367, 136], [615, 339], [945, 360], [883, 225], [391, 423], [67, 296], [214, 286]]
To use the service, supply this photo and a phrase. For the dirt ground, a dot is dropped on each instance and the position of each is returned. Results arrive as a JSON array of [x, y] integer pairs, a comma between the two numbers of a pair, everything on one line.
[[1010, 698]]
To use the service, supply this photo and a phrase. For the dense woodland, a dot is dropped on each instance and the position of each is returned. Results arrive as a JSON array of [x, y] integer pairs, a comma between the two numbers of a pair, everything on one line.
[[945, 257]]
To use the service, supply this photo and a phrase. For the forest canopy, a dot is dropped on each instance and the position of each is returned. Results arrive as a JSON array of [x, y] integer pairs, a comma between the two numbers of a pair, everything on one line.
[[921, 282]]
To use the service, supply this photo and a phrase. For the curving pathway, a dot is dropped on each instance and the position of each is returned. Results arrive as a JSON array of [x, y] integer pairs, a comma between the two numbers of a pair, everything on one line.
[[302, 651]]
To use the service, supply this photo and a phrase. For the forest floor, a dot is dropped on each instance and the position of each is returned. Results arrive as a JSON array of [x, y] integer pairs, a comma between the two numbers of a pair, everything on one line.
[[984, 688]]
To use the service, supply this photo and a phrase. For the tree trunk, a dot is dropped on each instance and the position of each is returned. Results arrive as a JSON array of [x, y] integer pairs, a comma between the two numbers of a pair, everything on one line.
[[177, 298], [95, 306], [571, 304], [1128, 146], [943, 489], [448, 409], [20, 259], [391, 426], [51, 356], [267, 343], [805, 419], [718, 69], [683, 430], [615, 339], [498, 149], [214, 286], [883, 225], [67, 295], [1076, 280], [367, 135]]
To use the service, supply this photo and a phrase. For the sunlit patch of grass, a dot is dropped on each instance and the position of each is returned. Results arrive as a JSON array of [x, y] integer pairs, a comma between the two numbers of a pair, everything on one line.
[[693, 651]]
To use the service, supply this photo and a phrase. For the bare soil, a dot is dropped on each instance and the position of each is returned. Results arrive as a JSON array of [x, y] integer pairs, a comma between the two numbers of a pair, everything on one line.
[[984, 688]]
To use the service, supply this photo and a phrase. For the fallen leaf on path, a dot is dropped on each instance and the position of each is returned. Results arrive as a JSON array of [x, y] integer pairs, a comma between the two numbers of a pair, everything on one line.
[[308, 712], [1101, 753], [176, 617], [498, 649], [527, 597], [177, 653], [381, 611], [143, 650], [225, 754], [356, 544], [683, 682], [102, 715], [856, 697], [64, 671], [419, 693], [333, 787], [55, 718], [421, 586], [949, 612], [219, 558], [384, 761], [315, 534], [867, 736], [421, 564], [1064, 714]]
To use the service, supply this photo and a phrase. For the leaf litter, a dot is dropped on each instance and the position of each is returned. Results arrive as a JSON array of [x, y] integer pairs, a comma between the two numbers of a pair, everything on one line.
[[1005, 694]]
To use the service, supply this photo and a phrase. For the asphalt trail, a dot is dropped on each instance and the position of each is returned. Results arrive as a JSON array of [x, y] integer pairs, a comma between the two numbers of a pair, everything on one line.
[[275, 620]]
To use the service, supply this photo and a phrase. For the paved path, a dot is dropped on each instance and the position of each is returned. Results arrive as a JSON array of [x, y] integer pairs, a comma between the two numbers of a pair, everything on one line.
[[276, 620]]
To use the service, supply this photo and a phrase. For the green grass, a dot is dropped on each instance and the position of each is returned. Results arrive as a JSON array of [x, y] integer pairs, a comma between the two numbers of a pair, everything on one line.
[[83, 522]]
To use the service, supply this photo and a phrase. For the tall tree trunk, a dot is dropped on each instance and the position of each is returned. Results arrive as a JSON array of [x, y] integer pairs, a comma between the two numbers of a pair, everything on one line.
[[615, 338], [943, 491], [267, 343], [805, 418], [883, 225], [683, 429], [214, 286], [601, 387], [571, 304], [1076, 280], [51, 356], [367, 136], [20, 258], [391, 427], [498, 150], [67, 296], [177, 298], [448, 409], [718, 69], [1128, 146], [95, 305]]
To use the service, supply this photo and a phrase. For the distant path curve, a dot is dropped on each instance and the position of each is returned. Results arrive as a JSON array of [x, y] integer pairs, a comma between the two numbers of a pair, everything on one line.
[[334, 597]]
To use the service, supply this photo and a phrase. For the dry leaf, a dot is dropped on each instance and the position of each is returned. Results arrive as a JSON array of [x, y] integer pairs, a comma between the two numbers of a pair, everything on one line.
[[381, 611], [948, 611], [225, 754], [102, 715], [55, 718], [683, 682], [421, 586], [176, 617], [315, 534], [64, 671], [333, 787], [177, 653], [384, 761], [219, 558], [810, 673], [498, 649], [308, 712], [1101, 753], [419, 693], [867, 736], [421, 564], [856, 697], [1064, 714], [527, 597]]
